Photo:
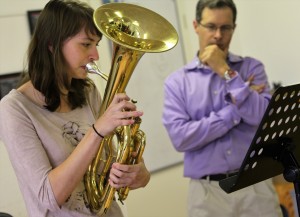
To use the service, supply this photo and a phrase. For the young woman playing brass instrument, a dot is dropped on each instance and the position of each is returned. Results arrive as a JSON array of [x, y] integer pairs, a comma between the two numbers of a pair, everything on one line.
[[50, 124]]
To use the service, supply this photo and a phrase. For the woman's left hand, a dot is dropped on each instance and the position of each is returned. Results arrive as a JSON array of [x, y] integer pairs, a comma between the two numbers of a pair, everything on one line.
[[132, 176]]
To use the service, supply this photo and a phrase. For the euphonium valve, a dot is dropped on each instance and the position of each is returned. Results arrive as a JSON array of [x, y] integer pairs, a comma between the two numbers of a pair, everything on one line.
[[134, 30]]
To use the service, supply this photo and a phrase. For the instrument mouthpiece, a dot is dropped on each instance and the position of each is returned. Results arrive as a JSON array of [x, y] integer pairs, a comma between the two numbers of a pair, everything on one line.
[[94, 69]]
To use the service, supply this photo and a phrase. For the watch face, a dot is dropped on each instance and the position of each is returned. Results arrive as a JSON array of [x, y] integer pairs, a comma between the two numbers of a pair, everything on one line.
[[226, 75], [229, 74]]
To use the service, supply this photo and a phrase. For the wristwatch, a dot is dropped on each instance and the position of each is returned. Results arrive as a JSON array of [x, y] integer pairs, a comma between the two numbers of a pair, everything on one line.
[[228, 74]]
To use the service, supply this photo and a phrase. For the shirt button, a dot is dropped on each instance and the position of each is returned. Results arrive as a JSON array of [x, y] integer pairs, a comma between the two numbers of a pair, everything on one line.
[[215, 92], [229, 152], [235, 122]]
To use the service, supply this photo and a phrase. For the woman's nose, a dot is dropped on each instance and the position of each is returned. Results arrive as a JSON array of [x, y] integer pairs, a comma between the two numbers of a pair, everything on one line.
[[94, 54]]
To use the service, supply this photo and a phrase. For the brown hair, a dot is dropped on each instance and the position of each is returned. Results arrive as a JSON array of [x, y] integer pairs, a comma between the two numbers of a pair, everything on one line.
[[59, 20], [213, 4]]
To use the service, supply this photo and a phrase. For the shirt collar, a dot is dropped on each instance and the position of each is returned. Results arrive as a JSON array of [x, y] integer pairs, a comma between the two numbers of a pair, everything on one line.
[[196, 63]]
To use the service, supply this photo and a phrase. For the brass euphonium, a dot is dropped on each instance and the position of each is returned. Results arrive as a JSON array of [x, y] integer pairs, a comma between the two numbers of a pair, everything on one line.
[[134, 31]]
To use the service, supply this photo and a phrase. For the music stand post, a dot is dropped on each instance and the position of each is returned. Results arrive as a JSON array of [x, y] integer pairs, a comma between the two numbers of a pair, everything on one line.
[[275, 148]]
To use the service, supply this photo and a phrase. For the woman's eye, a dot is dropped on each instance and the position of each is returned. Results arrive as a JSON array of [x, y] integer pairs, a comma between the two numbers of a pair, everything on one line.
[[86, 44]]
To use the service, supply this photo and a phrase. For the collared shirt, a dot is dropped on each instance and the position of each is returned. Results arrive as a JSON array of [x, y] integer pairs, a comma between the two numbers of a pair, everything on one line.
[[213, 120]]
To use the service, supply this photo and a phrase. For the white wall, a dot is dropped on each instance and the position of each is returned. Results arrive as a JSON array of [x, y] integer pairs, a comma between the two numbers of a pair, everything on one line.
[[164, 196], [14, 33]]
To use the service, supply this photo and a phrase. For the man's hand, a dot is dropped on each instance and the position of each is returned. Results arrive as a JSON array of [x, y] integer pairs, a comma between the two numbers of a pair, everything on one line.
[[258, 88], [215, 58]]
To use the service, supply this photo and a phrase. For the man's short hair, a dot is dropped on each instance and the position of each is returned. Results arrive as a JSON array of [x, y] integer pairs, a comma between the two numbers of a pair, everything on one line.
[[213, 4]]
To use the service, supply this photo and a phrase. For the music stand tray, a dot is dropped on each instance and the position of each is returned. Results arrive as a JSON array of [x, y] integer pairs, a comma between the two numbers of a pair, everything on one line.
[[275, 148]]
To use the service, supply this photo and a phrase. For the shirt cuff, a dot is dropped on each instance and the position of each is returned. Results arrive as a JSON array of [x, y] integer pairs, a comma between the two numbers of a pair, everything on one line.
[[230, 116]]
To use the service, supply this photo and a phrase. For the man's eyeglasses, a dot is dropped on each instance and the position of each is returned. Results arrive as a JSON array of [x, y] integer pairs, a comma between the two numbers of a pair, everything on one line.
[[226, 29]]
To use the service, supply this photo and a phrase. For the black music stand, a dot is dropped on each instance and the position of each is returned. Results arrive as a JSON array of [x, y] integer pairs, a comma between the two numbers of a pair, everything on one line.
[[275, 148]]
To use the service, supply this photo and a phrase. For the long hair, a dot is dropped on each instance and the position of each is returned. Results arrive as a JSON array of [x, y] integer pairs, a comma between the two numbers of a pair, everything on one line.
[[58, 21]]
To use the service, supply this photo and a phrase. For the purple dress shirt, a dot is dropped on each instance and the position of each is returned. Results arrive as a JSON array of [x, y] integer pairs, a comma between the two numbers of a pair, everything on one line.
[[213, 120]]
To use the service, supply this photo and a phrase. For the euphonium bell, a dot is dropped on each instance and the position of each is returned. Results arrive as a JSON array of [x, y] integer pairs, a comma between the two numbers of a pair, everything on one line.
[[134, 31]]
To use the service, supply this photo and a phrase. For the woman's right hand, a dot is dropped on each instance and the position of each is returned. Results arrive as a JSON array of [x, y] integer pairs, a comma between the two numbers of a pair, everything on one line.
[[120, 112]]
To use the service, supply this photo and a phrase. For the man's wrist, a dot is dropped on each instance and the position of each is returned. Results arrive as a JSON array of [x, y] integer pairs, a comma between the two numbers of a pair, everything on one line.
[[229, 74]]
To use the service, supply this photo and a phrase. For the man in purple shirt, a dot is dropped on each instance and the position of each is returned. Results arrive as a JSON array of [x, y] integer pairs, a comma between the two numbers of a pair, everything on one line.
[[212, 108]]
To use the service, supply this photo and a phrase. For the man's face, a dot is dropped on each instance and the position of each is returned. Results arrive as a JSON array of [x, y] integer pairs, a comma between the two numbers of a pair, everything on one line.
[[215, 27]]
